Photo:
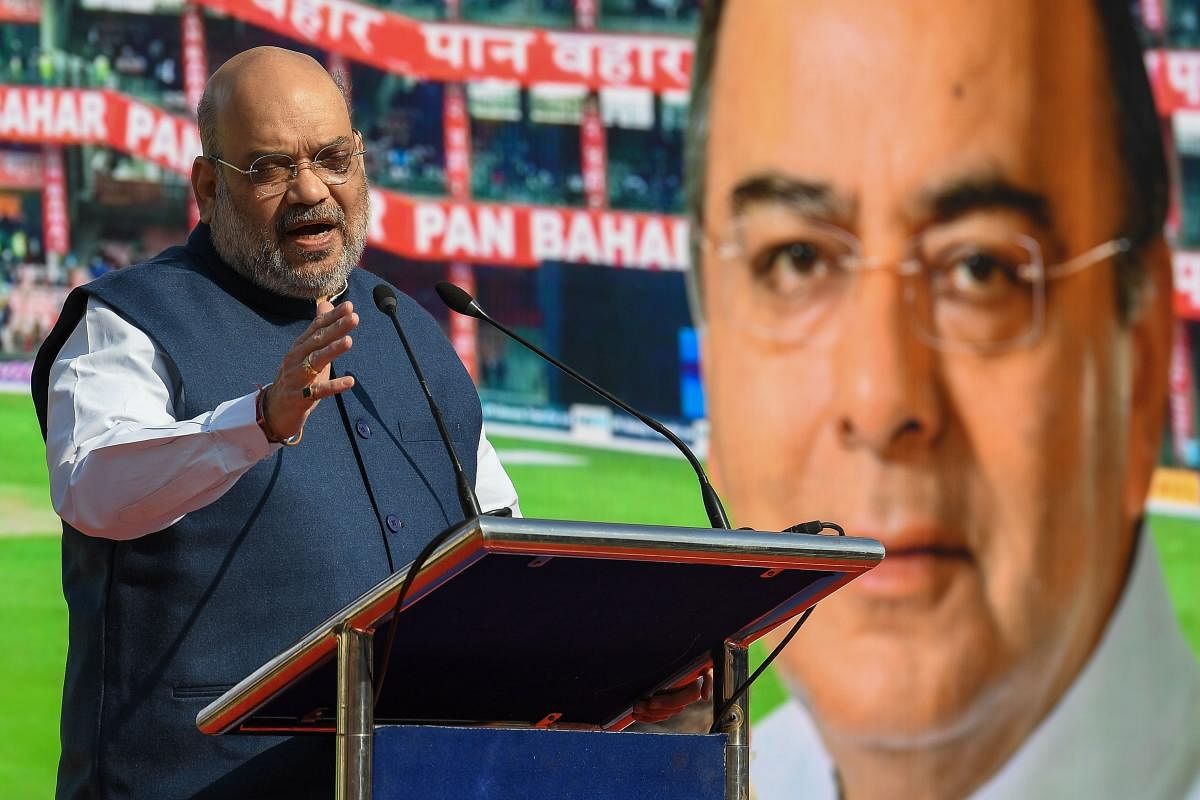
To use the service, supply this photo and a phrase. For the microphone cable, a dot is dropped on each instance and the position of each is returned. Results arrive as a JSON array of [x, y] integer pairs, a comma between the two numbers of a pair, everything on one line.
[[813, 527]]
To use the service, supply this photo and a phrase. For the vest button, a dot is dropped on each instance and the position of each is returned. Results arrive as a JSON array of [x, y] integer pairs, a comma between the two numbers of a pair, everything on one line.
[[364, 430], [394, 523]]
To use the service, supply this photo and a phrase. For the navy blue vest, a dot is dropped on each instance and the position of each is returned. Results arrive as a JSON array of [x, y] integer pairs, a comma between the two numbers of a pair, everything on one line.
[[163, 624]]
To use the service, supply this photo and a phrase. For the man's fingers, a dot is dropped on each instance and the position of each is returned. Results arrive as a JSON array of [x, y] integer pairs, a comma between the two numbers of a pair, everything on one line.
[[325, 334], [327, 315], [319, 359], [322, 389]]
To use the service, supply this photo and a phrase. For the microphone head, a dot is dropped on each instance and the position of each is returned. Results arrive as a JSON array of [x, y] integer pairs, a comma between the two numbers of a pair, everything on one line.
[[385, 298], [458, 300]]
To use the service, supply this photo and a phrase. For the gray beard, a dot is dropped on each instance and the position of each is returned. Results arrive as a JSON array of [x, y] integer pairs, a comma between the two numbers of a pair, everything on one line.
[[255, 254]]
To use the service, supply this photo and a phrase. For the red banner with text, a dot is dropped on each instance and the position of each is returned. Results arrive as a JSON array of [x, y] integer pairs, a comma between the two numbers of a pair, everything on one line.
[[456, 129], [1186, 264], [525, 236], [1182, 396], [455, 52], [21, 11], [195, 76], [594, 155], [456, 138], [434, 230], [56, 224], [1175, 79], [87, 116]]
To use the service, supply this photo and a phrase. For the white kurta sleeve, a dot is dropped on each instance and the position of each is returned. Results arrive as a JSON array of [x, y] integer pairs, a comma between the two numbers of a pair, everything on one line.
[[493, 487], [121, 465]]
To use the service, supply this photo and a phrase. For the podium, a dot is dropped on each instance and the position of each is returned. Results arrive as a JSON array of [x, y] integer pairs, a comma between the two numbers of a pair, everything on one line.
[[520, 650]]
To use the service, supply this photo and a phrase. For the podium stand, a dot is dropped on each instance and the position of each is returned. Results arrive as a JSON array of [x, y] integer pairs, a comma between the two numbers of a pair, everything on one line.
[[521, 648]]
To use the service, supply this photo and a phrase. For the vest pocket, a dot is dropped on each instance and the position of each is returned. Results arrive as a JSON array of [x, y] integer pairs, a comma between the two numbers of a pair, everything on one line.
[[200, 692]]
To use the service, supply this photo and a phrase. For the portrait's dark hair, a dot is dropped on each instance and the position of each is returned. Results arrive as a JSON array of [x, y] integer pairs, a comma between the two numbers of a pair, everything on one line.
[[1135, 122]]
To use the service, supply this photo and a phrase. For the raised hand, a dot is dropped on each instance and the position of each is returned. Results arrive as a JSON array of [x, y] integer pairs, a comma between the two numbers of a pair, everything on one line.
[[303, 377]]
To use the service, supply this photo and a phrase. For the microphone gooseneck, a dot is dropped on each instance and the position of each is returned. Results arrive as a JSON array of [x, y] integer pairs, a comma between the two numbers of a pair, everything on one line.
[[385, 301], [458, 300]]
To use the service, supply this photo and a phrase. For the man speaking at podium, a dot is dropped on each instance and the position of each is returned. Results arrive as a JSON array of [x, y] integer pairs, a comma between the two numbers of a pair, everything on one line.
[[208, 523], [937, 309]]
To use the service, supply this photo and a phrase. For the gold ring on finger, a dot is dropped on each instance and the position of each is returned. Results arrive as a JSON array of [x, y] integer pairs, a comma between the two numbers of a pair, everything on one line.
[[307, 364]]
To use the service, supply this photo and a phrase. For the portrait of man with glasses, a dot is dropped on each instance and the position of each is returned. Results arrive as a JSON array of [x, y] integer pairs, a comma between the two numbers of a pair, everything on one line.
[[935, 301]]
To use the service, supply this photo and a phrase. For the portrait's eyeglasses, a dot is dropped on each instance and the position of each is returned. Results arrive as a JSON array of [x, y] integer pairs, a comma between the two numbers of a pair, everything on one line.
[[976, 287], [272, 174]]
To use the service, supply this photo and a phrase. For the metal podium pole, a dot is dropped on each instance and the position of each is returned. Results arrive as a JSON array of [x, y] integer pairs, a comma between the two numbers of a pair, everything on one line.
[[355, 714], [731, 667]]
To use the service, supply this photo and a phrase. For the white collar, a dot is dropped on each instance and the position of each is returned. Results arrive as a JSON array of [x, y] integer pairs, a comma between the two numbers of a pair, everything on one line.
[[1128, 727], [1130, 724]]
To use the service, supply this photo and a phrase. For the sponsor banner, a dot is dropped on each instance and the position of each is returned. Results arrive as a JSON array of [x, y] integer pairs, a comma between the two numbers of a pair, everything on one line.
[[586, 12], [454, 52], [499, 101], [627, 108], [1176, 492], [556, 103], [15, 376], [457, 140], [20, 169], [464, 329], [1175, 79], [56, 223], [195, 57], [525, 236], [1186, 264], [85, 116], [28, 11], [456, 133], [195, 74], [594, 154], [1182, 398], [432, 230], [134, 6]]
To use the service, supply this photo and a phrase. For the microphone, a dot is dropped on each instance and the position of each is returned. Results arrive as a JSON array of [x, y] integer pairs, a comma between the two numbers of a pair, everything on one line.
[[458, 300], [385, 301]]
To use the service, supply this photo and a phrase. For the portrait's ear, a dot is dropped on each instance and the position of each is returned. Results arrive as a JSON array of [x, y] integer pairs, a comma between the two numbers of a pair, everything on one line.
[[1152, 330], [204, 186], [712, 465]]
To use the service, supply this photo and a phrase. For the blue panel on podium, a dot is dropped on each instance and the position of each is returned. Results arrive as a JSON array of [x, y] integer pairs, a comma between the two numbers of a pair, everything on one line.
[[447, 763]]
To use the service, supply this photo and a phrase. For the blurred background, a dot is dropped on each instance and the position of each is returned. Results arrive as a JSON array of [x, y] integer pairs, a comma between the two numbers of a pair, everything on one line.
[[528, 150]]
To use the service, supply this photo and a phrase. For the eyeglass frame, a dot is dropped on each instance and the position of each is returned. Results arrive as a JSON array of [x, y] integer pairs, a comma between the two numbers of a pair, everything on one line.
[[911, 266], [296, 165]]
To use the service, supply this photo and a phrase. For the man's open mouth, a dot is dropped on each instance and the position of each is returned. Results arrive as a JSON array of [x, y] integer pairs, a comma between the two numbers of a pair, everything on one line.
[[311, 229]]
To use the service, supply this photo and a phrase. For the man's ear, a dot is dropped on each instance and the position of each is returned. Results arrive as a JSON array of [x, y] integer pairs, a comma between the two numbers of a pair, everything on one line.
[[204, 186], [1152, 330]]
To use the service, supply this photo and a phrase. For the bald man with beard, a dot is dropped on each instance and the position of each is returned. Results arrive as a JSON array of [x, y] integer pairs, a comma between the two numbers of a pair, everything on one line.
[[208, 522]]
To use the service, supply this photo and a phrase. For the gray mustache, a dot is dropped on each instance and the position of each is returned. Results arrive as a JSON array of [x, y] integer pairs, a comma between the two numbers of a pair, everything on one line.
[[296, 215]]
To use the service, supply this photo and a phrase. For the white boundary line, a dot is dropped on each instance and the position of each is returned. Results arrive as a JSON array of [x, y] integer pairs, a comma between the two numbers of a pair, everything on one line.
[[648, 448]]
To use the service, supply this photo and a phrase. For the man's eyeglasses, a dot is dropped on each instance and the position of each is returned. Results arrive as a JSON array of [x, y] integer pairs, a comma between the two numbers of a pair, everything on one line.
[[978, 288], [272, 174]]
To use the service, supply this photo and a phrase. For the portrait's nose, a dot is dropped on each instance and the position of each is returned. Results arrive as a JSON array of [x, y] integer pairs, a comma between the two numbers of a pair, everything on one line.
[[886, 395]]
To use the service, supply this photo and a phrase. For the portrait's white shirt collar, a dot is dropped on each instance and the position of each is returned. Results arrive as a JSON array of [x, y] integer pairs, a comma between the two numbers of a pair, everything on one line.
[[1128, 727]]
